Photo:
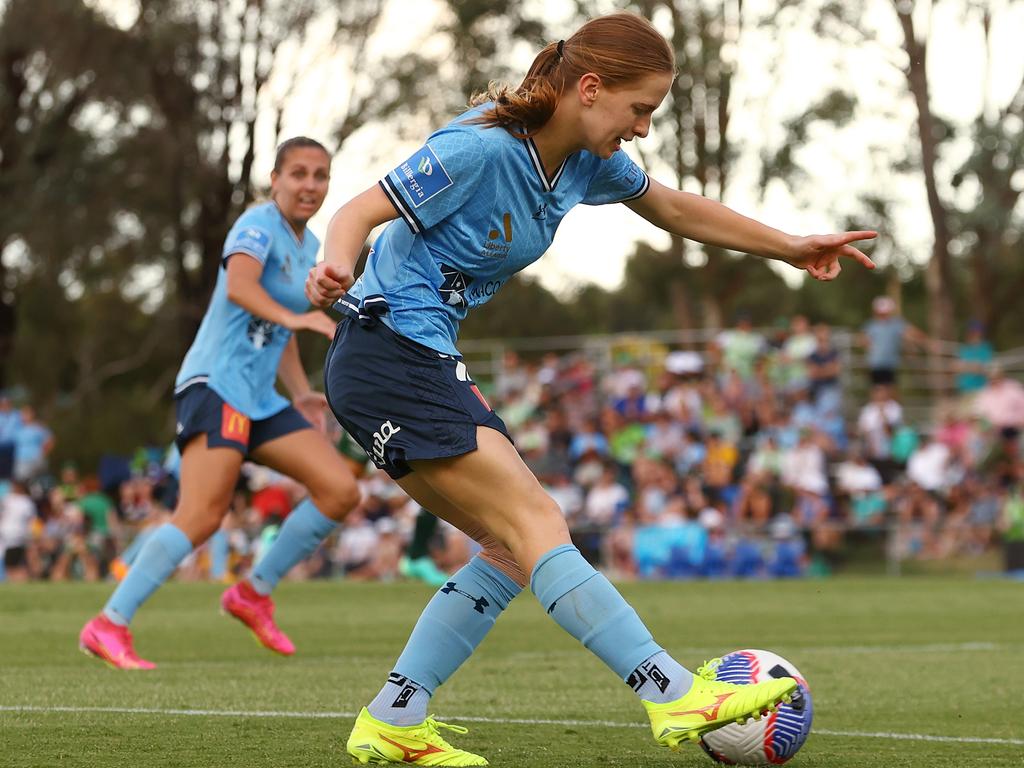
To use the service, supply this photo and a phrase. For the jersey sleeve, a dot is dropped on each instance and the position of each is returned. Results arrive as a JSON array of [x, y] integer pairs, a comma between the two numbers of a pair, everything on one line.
[[251, 239], [617, 180], [439, 178]]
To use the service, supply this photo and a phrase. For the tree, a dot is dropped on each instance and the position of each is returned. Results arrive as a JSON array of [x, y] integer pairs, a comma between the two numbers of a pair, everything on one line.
[[129, 143]]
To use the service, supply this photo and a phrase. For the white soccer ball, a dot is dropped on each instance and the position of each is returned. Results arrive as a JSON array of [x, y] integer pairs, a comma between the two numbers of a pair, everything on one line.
[[774, 739]]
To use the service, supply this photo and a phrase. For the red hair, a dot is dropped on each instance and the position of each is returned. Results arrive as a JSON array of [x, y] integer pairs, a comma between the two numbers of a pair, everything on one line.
[[620, 48]]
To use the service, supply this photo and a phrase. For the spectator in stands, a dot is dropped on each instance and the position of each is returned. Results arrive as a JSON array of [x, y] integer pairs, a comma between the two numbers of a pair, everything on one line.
[[823, 370], [33, 442], [876, 424], [606, 500], [17, 515], [861, 483], [10, 421], [740, 346], [883, 336], [102, 526], [798, 347], [1001, 403], [974, 357]]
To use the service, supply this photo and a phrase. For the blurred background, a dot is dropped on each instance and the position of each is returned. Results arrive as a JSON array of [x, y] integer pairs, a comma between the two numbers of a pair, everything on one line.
[[697, 413]]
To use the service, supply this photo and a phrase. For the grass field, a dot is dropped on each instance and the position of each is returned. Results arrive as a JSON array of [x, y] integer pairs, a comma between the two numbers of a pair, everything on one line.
[[913, 672]]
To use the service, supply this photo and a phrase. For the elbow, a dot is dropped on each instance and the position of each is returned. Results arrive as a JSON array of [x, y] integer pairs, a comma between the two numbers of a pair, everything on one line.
[[235, 292]]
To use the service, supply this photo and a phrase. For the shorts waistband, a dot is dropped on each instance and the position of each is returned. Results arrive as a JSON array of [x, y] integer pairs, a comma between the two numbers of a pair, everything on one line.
[[367, 313]]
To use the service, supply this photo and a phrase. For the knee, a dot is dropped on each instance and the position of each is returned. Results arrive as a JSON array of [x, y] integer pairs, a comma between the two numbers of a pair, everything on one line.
[[338, 498], [198, 524], [499, 556], [543, 516]]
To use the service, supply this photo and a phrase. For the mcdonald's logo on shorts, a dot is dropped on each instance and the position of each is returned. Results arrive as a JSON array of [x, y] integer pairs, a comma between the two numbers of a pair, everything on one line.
[[234, 425]]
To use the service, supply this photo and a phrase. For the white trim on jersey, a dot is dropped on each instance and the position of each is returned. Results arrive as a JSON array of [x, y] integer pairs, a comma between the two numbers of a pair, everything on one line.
[[538, 166], [643, 188], [400, 206], [201, 379]]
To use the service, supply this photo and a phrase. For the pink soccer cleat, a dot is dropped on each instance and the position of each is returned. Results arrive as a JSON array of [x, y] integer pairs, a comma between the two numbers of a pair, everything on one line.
[[112, 643], [256, 611]]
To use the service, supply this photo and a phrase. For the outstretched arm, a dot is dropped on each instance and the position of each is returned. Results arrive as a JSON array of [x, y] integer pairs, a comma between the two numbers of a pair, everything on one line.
[[710, 222]]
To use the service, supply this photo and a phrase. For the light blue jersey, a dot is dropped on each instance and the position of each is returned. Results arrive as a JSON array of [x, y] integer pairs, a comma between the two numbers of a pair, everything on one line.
[[236, 353], [475, 207]]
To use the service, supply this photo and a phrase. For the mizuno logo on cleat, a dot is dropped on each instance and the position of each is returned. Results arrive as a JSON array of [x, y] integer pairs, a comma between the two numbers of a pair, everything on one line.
[[412, 754], [710, 712]]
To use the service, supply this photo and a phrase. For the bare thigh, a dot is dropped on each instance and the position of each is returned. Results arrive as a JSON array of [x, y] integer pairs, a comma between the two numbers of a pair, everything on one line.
[[207, 478], [307, 457], [494, 552], [495, 490]]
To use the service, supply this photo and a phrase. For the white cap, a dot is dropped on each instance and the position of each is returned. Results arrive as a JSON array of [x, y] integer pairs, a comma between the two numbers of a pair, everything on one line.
[[883, 304], [683, 362]]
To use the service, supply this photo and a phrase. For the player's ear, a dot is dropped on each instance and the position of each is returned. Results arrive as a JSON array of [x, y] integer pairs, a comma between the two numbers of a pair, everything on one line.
[[588, 87]]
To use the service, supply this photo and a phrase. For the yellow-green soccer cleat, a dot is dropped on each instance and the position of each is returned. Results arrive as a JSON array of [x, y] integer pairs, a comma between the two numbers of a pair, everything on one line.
[[375, 742], [710, 704]]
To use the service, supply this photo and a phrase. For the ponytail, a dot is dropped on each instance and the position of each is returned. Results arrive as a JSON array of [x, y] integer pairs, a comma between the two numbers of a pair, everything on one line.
[[619, 47]]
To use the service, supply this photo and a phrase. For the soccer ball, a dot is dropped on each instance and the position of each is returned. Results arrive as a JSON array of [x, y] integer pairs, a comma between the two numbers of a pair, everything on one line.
[[774, 739]]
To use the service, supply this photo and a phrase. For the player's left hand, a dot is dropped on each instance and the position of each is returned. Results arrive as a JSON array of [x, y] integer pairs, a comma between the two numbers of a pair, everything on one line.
[[313, 407], [820, 254]]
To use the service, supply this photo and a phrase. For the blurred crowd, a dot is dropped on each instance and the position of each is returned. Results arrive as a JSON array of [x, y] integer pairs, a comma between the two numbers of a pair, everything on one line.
[[746, 458]]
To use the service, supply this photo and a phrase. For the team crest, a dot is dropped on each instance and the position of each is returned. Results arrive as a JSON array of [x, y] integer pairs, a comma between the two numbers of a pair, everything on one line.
[[453, 290], [260, 332]]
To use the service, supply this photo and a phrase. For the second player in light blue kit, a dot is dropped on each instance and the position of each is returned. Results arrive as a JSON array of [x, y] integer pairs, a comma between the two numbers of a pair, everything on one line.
[[228, 409]]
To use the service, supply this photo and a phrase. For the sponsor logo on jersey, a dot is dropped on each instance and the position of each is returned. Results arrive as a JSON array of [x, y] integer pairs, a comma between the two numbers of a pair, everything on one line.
[[486, 289], [252, 240], [499, 241], [423, 176]]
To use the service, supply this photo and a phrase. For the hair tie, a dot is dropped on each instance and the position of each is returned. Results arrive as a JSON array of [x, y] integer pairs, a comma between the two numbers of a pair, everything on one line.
[[561, 49]]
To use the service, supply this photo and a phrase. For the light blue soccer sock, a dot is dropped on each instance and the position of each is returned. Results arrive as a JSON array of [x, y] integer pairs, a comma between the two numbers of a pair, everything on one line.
[[302, 532], [160, 555], [450, 628], [588, 607], [219, 552]]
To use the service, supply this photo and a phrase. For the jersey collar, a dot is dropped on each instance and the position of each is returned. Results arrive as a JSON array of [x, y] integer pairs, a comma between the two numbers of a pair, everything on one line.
[[538, 166], [288, 227]]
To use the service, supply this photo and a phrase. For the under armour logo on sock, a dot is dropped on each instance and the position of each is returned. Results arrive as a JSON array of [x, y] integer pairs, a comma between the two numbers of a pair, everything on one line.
[[479, 603], [647, 671]]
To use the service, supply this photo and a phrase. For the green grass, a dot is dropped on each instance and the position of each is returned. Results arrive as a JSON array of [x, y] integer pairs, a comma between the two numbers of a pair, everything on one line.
[[892, 656]]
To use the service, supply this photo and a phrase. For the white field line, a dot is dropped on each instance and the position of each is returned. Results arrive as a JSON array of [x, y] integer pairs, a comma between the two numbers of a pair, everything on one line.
[[471, 719]]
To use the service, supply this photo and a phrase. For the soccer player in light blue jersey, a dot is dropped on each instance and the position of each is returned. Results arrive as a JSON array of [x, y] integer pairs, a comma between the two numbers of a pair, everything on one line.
[[477, 203], [228, 409]]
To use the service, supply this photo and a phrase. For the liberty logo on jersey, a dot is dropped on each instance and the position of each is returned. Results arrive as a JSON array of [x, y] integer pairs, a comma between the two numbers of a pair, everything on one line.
[[499, 242]]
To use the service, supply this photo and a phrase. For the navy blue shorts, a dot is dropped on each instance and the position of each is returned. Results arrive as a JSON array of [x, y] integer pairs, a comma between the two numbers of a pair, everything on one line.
[[402, 401], [201, 410]]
